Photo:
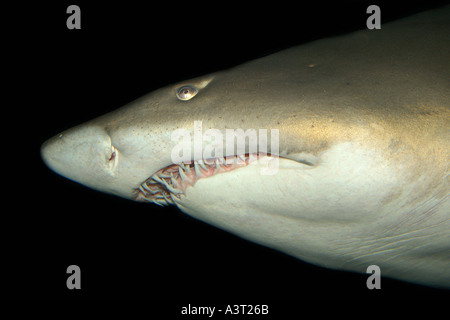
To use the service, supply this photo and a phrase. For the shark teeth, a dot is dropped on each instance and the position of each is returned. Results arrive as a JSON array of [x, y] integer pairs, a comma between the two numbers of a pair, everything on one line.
[[197, 170], [202, 164], [168, 185], [184, 176]]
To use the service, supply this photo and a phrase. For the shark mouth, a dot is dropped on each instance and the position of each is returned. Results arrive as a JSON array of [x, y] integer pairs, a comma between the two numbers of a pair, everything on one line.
[[168, 185]]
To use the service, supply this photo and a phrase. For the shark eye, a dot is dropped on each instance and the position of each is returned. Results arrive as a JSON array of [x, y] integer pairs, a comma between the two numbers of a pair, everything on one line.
[[186, 92]]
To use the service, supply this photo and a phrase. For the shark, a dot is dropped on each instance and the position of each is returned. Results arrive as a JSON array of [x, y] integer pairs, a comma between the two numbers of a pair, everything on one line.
[[356, 128]]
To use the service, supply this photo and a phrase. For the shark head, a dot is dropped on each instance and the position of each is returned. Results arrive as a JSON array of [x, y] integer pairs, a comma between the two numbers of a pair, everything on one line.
[[158, 135], [359, 157], [120, 152]]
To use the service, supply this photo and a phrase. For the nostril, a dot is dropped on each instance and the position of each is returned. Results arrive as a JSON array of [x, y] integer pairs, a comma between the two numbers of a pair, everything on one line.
[[113, 159], [114, 153]]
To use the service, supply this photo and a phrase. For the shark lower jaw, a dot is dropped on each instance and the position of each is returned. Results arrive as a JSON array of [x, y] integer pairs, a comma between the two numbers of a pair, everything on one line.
[[168, 185]]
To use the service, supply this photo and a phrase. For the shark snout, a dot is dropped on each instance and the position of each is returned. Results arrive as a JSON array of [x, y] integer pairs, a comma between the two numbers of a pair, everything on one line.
[[83, 154]]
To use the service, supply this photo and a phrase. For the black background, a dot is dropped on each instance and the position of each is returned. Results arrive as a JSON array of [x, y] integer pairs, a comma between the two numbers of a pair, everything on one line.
[[124, 50]]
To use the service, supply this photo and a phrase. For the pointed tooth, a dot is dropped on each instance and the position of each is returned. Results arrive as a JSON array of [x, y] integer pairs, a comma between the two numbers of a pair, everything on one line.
[[173, 190], [157, 179], [240, 159], [146, 187], [197, 170], [174, 182], [172, 196], [162, 181], [146, 199], [218, 163], [160, 202], [167, 180], [202, 164], [142, 190], [151, 191], [184, 177], [167, 199], [223, 161]]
